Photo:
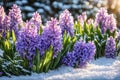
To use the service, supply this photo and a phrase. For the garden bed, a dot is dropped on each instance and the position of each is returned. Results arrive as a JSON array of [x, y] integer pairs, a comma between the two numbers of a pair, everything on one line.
[[71, 49], [99, 69]]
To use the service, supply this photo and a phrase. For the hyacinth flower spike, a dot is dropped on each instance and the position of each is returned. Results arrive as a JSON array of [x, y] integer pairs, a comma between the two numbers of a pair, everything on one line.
[[82, 18], [105, 21], [15, 18], [51, 36], [2, 16], [66, 22], [27, 42], [110, 48], [36, 20]]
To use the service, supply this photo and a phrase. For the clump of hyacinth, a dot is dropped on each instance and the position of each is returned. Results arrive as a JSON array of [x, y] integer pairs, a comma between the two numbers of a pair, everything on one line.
[[105, 21], [51, 36], [83, 53], [27, 42], [82, 18], [36, 20], [110, 48], [16, 18], [66, 22]]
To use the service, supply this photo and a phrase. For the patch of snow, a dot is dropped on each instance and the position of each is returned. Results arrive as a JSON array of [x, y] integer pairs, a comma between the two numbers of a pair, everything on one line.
[[28, 8], [37, 4], [66, 6], [40, 10], [18, 2], [30, 14], [57, 4], [99, 69], [46, 7], [75, 6], [75, 1], [24, 1]]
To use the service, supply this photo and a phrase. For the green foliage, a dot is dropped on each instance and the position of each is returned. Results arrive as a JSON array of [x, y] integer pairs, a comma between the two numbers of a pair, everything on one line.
[[10, 62], [12, 66], [91, 33]]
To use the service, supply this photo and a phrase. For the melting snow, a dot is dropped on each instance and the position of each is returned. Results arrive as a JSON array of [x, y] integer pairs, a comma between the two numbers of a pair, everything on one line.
[[99, 69]]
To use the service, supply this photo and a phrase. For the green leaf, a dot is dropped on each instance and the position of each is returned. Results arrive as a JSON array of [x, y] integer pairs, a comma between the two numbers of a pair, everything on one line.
[[36, 62], [98, 30], [86, 28], [8, 35], [13, 36], [48, 58], [40, 30]]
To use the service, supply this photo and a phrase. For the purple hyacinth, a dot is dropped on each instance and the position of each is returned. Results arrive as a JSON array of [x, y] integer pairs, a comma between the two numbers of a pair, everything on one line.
[[110, 48], [4, 22], [6, 25], [36, 20], [102, 13], [69, 59], [51, 36], [66, 22], [2, 16], [16, 18], [27, 42], [82, 18], [82, 53], [105, 21], [110, 23], [2, 13]]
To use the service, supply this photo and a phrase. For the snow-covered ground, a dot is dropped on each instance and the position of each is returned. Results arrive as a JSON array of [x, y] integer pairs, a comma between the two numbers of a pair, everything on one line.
[[100, 69]]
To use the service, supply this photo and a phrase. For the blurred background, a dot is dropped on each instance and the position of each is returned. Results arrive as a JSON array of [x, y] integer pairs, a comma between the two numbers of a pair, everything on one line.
[[52, 8]]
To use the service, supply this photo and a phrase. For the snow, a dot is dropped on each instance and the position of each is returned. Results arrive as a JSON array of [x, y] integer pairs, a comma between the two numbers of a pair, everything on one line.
[[36, 4], [100, 69], [40, 10], [28, 8]]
